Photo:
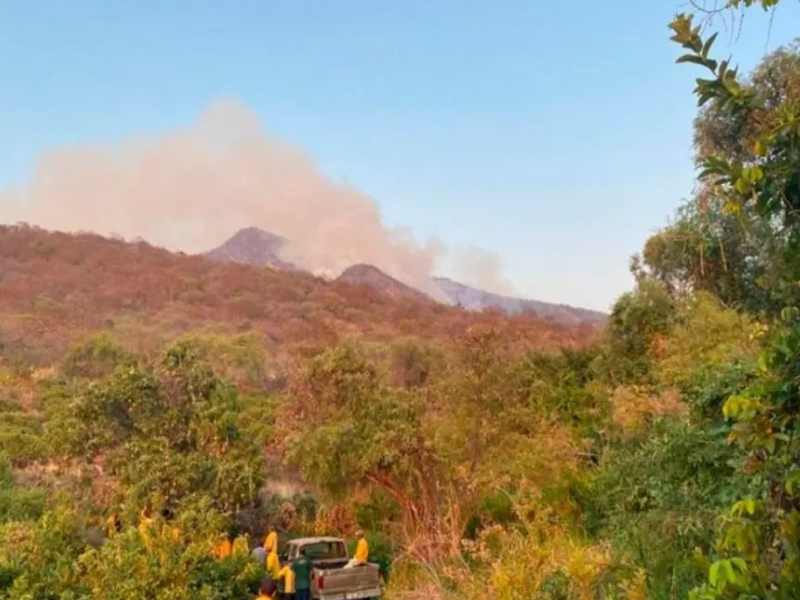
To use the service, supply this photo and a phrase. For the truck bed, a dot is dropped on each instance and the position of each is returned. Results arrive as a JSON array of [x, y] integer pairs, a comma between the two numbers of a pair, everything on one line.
[[354, 583]]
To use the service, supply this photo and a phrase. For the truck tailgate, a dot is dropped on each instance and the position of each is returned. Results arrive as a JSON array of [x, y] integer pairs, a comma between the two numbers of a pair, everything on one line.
[[354, 583]]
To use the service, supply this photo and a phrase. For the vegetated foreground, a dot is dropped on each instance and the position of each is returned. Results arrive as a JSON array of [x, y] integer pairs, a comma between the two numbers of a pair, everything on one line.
[[659, 460]]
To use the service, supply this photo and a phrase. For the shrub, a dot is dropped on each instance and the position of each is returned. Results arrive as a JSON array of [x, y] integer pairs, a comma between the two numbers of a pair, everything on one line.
[[704, 337], [656, 500], [18, 503], [165, 432], [636, 320], [94, 357]]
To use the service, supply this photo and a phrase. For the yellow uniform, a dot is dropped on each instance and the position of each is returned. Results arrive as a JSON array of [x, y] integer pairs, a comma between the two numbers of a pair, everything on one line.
[[271, 541], [287, 575], [362, 551], [273, 565]]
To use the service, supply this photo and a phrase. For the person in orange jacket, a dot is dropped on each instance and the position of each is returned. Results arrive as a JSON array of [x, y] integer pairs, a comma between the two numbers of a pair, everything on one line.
[[224, 547]]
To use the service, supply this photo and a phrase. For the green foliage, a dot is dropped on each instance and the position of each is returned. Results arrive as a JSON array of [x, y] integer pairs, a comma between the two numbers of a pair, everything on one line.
[[768, 181], [376, 511], [734, 256], [657, 500], [166, 432], [130, 566], [758, 551], [20, 434], [637, 318], [704, 339], [736, 236], [708, 388], [37, 560], [17, 503], [412, 364], [432, 460], [238, 358], [95, 357], [558, 385], [357, 428]]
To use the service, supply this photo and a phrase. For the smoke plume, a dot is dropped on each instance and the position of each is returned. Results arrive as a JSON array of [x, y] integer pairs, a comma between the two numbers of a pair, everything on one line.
[[479, 268], [192, 188]]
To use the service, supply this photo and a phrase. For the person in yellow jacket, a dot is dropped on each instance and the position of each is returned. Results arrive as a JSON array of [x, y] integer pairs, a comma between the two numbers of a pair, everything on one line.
[[362, 548], [271, 541], [286, 583], [271, 548], [362, 551], [273, 564]]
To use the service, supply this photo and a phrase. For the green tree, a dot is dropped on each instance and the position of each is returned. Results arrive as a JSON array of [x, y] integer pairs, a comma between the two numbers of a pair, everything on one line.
[[758, 553], [636, 320], [165, 433]]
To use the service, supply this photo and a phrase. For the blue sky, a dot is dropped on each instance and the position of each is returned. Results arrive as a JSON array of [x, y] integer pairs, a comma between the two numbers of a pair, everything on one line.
[[556, 135]]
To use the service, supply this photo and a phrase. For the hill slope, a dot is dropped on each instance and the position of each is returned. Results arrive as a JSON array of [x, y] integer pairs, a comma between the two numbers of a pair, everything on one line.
[[472, 298], [58, 287], [372, 277], [254, 246]]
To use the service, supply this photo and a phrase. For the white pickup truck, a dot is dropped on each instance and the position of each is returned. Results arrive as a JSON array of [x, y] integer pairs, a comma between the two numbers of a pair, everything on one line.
[[331, 579]]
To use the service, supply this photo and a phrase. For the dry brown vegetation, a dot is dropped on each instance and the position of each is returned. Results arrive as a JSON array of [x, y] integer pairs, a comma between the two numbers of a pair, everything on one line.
[[58, 287]]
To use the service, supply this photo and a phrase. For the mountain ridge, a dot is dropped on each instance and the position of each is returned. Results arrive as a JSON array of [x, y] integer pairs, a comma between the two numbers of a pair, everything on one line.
[[472, 298], [62, 287], [258, 247]]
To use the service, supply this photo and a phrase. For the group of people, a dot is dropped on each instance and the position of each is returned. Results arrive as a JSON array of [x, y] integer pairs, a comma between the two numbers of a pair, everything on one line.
[[287, 582], [293, 581]]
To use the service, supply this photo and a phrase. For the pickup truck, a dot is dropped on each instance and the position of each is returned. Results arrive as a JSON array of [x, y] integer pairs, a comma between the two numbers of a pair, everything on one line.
[[331, 579]]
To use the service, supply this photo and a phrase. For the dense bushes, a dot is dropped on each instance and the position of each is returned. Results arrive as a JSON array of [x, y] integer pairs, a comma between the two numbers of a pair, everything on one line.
[[172, 454], [656, 500], [165, 433]]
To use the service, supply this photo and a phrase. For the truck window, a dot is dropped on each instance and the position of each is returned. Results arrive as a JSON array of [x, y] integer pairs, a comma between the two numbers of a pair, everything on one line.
[[325, 550]]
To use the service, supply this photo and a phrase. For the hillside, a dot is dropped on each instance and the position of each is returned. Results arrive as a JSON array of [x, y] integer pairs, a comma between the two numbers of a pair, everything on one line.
[[252, 246], [374, 278], [255, 246], [472, 298], [59, 287]]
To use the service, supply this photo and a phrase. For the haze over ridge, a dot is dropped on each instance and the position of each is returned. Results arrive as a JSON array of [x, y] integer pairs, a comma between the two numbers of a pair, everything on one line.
[[190, 188]]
